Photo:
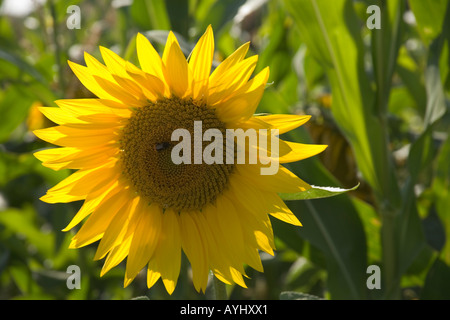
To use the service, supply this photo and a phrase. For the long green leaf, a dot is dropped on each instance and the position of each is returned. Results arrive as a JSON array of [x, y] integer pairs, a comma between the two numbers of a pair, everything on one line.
[[429, 15], [331, 225], [14, 104], [316, 193], [436, 288], [149, 14], [385, 46], [433, 84], [409, 231], [22, 65], [441, 191], [292, 295], [330, 31]]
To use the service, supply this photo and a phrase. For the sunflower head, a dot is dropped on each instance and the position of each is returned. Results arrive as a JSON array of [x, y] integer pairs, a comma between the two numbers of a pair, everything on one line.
[[141, 204], [147, 149]]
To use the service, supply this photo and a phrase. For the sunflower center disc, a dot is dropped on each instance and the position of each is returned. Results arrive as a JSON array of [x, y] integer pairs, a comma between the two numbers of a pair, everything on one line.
[[147, 162]]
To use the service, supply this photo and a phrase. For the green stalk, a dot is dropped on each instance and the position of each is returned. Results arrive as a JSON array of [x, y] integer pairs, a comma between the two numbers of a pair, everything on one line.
[[389, 255], [220, 289], [61, 80], [385, 45]]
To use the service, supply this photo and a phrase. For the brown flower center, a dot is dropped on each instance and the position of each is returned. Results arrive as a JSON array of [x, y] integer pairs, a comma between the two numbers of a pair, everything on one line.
[[147, 160]]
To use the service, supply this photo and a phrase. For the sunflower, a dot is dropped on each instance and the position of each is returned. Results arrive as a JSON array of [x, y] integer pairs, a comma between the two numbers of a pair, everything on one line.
[[138, 203]]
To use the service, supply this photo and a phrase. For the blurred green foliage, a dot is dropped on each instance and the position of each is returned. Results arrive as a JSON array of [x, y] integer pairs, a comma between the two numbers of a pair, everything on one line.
[[379, 98]]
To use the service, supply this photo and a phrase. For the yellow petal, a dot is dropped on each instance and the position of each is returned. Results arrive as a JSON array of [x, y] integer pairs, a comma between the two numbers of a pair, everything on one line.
[[77, 185], [114, 63], [200, 64], [284, 122], [146, 233], [293, 151], [280, 210], [283, 181], [257, 219], [169, 250], [93, 229], [264, 203], [153, 276], [237, 277], [225, 239], [225, 219], [96, 68], [86, 107], [215, 260], [108, 80], [58, 115], [116, 66], [109, 203], [230, 61], [215, 257], [275, 149], [75, 158], [251, 255], [84, 75], [116, 255], [194, 249], [176, 69], [152, 86], [119, 93], [231, 80], [74, 137], [67, 118], [149, 59], [252, 258], [241, 106], [116, 225]]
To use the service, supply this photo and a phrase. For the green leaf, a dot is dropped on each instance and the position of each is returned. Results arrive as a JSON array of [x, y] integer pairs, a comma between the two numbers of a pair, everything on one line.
[[21, 222], [160, 36], [409, 235], [141, 298], [316, 193], [437, 285], [409, 230], [292, 295], [178, 11], [14, 105], [14, 165], [21, 276], [412, 78], [149, 14], [436, 107], [216, 13], [371, 223], [4, 258], [429, 16], [330, 30], [22, 65], [385, 45], [441, 192], [331, 225], [421, 154]]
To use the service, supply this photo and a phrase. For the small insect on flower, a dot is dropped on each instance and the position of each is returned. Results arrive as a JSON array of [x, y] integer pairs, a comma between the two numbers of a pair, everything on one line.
[[162, 146], [139, 204]]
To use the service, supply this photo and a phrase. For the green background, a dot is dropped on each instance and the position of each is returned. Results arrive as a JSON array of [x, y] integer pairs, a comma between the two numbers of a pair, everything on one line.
[[379, 98]]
